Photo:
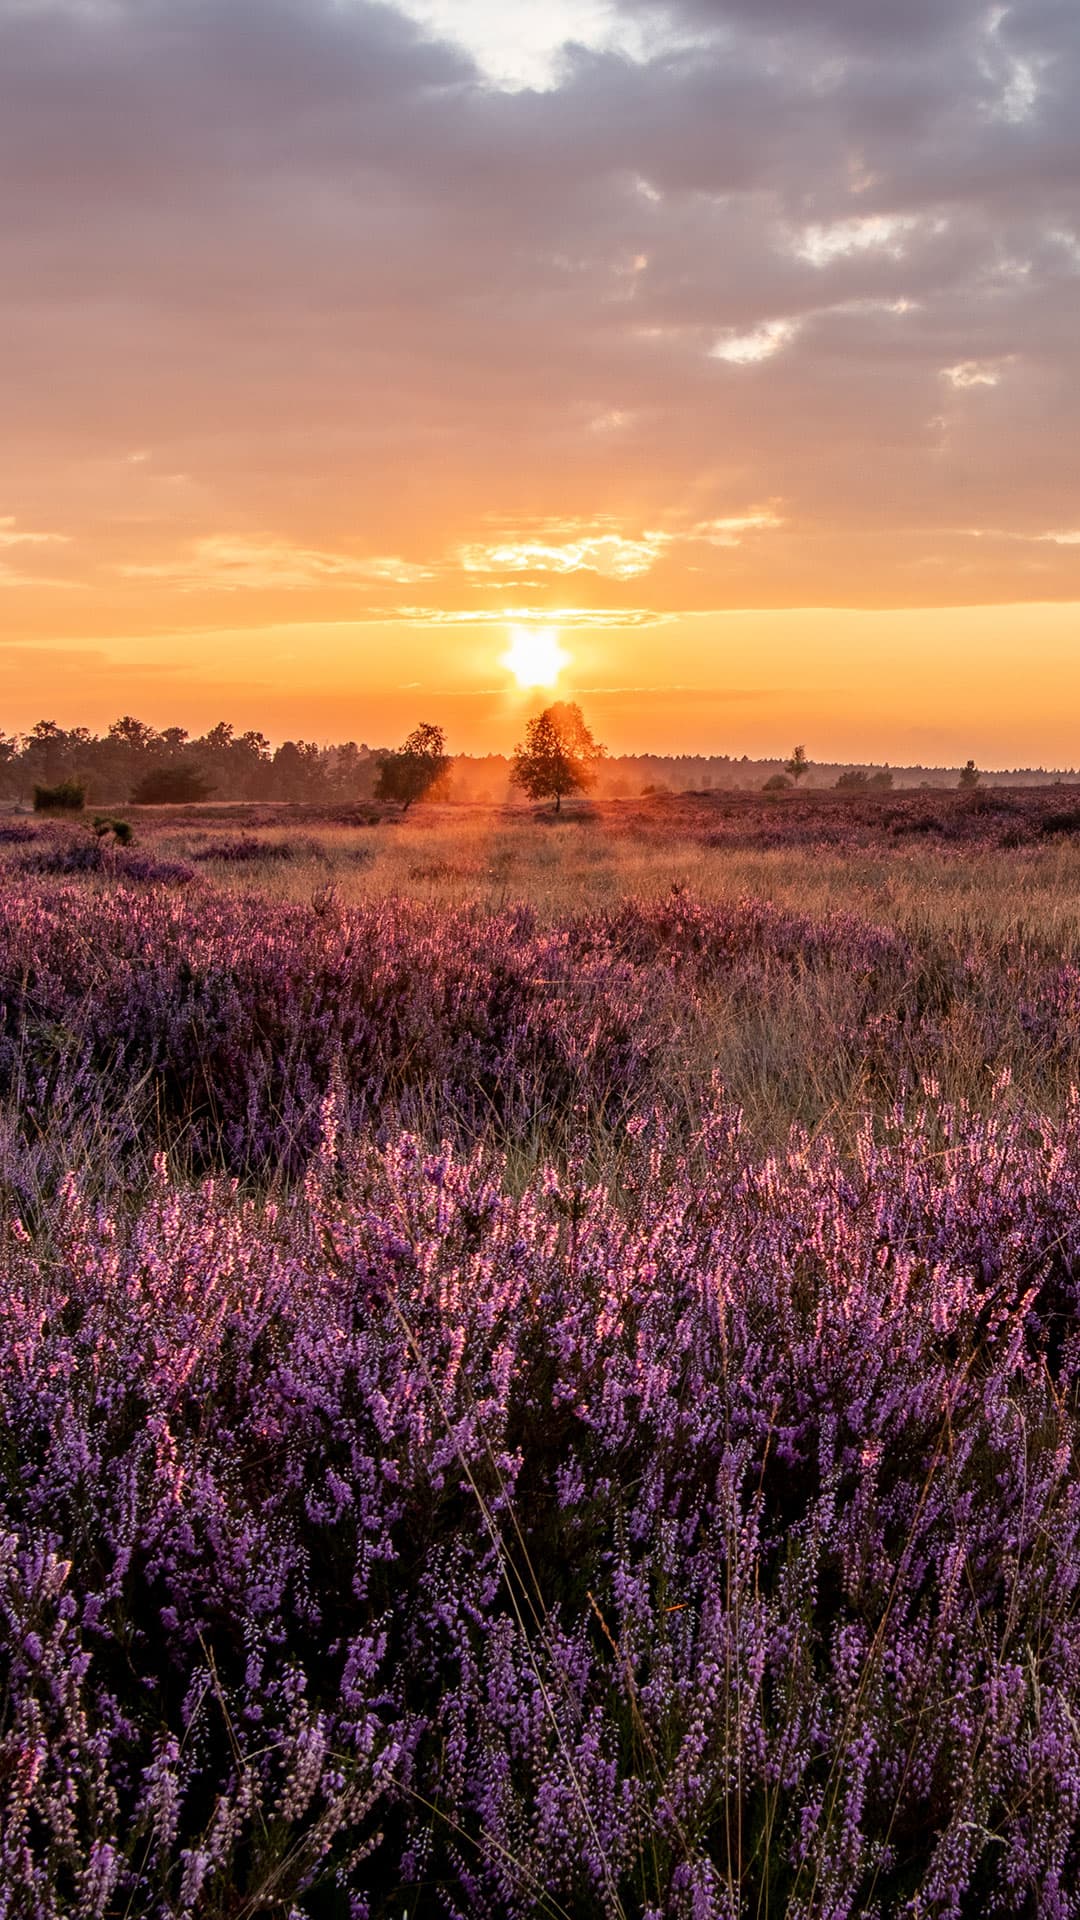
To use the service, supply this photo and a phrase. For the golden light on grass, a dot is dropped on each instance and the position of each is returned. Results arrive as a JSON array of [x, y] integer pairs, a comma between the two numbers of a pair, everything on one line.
[[535, 656]]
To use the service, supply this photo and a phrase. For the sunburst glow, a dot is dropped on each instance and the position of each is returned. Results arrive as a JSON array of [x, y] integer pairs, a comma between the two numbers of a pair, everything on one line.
[[535, 656]]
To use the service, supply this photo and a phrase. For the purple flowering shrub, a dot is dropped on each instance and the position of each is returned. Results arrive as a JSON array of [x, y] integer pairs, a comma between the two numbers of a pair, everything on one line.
[[939, 818], [244, 849], [71, 856], [214, 1026], [450, 1464], [710, 1550]]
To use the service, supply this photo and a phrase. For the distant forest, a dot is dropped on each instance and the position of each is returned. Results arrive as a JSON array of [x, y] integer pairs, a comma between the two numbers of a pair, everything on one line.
[[228, 765]]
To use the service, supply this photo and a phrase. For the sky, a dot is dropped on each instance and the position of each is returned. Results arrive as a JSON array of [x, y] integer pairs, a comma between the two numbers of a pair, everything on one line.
[[735, 341]]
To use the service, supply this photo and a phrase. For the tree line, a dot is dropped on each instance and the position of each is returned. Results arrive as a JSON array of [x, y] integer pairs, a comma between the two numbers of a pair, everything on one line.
[[65, 769], [134, 760], [558, 755]]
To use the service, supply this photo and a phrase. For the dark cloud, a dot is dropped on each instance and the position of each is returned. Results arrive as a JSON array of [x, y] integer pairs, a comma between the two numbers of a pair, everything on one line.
[[854, 24]]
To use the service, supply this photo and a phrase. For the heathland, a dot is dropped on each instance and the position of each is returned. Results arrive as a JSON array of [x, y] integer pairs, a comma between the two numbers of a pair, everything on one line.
[[540, 1360]]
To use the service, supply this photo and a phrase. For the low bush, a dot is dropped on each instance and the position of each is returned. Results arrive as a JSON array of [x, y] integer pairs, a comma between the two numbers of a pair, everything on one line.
[[97, 857], [67, 797], [427, 1546], [171, 786], [245, 850]]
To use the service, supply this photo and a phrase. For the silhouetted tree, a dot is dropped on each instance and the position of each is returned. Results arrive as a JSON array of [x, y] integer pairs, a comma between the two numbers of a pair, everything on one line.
[[798, 764], [133, 733], [9, 769], [352, 771], [298, 770], [415, 769], [558, 754], [45, 756], [969, 776]]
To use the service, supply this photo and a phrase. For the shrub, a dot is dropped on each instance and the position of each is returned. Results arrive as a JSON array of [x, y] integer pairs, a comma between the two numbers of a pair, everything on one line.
[[425, 1533], [69, 796], [779, 783], [171, 787], [95, 856], [120, 830], [245, 850], [1062, 820], [859, 780]]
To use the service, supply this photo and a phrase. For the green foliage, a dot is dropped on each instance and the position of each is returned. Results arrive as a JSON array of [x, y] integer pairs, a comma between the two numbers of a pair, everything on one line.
[[121, 830], [68, 796], [558, 754], [171, 786], [415, 770]]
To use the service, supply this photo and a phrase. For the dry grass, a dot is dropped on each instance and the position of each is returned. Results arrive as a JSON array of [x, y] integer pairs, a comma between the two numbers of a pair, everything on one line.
[[786, 1057], [491, 858]]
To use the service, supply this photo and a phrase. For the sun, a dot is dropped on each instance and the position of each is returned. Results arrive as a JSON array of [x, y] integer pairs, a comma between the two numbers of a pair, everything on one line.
[[535, 656]]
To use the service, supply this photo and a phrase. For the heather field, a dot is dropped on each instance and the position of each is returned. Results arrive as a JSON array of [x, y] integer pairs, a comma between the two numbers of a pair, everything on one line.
[[540, 1361]]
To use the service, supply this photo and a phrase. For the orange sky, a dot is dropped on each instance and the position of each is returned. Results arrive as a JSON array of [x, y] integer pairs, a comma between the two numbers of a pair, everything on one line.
[[738, 340]]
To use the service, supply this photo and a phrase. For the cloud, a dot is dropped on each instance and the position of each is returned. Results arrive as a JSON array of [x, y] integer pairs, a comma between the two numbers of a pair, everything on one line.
[[972, 373], [731, 530], [1066, 538], [843, 239], [610, 554], [12, 535], [760, 343], [526, 616], [320, 259], [221, 562]]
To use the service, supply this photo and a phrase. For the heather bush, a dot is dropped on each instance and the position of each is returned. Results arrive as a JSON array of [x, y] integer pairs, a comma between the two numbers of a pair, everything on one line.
[[98, 856], [245, 850], [710, 1551], [454, 1461], [218, 1031]]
